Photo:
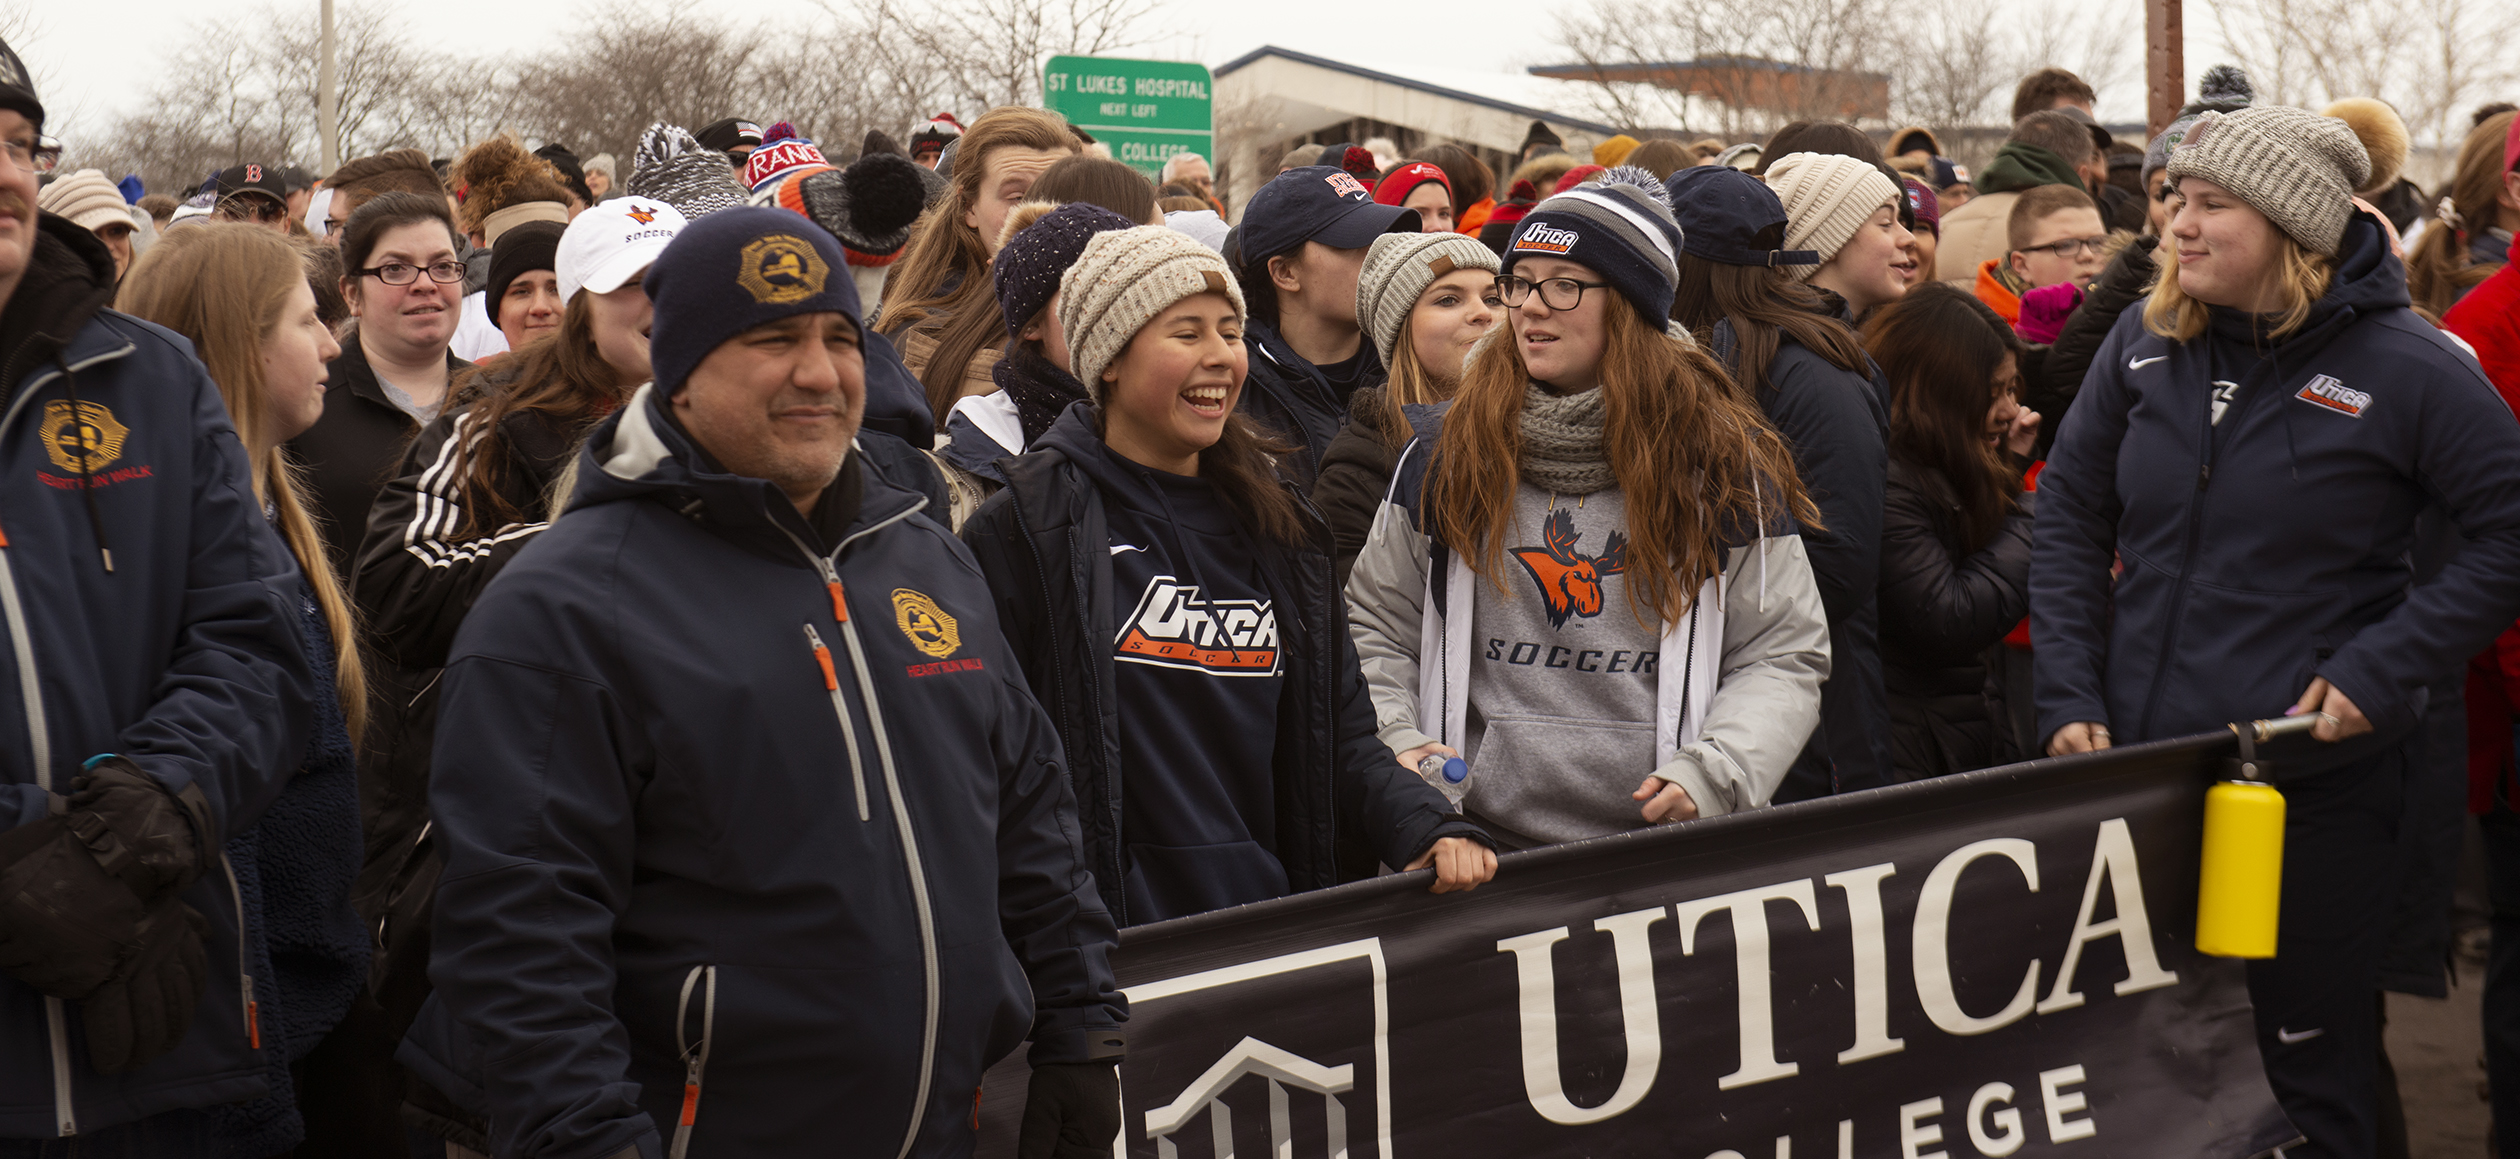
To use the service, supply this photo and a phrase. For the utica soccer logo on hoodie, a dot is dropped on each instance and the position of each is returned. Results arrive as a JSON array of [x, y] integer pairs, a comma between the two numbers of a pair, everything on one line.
[[1174, 627]]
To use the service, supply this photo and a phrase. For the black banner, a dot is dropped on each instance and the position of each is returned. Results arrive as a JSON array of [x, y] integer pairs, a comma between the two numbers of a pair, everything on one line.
[[1994, 964]]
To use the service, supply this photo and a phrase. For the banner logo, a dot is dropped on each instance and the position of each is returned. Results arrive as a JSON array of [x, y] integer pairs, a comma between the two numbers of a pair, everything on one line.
[[1313, 1109], [2324, 391], [1174, 628], [81, 436], [1568, 579], [929, 629]]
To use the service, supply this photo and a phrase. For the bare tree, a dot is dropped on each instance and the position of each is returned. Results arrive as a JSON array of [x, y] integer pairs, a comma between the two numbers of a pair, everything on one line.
[[1750, 64], [983, 53], [2429, 59]]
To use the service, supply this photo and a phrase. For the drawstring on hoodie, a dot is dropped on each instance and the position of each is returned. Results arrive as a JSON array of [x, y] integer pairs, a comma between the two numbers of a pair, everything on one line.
[[87, 478]]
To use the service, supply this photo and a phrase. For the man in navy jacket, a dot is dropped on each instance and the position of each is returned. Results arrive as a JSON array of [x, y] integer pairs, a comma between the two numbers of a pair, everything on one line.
[[154, 698], [756, 841]]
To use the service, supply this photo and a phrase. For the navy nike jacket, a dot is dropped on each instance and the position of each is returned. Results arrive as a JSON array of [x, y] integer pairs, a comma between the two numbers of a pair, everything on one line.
[[2271, 547], [728, 811]]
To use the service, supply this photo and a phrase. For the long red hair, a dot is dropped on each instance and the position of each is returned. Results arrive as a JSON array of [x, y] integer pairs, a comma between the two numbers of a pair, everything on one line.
[[1695, 463]]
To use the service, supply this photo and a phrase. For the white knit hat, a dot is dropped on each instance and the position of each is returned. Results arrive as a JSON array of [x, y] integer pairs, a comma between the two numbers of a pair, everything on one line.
[[87, 199], [1121, 282], [1399, 267], [1827, 198]]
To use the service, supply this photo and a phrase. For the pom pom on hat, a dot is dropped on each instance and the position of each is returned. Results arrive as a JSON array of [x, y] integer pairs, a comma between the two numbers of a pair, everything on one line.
[[2383, 136], [1359, 163], [780, 153], [870, 205], [2223, 88]]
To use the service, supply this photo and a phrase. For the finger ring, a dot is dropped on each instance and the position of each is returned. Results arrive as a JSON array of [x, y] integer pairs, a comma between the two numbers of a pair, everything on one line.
[[2328, 717]]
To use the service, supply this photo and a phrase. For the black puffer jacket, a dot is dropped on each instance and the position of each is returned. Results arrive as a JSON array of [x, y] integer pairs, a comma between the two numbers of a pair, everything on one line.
[[2051, 387], [1342, 802], [1941, 609], [1355, 472]]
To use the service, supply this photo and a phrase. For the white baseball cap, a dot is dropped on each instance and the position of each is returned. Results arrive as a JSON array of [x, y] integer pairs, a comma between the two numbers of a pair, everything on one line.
[[611, 243]]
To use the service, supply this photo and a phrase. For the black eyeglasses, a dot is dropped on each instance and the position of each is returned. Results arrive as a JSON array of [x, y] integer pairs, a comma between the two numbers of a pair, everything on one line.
[[1556, 293], [2070, 248], [444, 273]]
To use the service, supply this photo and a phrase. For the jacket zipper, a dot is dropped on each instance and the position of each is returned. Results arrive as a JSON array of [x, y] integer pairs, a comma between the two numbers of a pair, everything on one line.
[[2187, 556], [695, 1056], [892, 788], [1093, 707], [839, 708], [39, 738], [244, 963]]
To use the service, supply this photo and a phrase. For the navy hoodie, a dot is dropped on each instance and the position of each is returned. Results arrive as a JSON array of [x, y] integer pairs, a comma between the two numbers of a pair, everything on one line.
[[2271, 547], [676, 739]]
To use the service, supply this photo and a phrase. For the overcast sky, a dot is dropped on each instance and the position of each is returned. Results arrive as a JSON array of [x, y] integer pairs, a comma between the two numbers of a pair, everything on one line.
[[93, 57]]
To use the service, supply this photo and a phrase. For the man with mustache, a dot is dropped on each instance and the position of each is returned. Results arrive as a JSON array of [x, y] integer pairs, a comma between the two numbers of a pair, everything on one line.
[[156, 698]]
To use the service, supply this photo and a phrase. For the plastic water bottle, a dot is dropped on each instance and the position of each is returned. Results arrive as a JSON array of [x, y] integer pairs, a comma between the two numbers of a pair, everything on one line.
[[1449, 775]]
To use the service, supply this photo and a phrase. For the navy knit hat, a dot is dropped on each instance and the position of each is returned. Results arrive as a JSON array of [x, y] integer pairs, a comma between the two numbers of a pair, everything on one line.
[[733, 270], [1621, 229], [1728, 216], [1028, 268]]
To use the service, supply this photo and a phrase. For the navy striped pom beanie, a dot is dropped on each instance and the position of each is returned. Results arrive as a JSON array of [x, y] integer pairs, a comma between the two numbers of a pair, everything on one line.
[[1620, 228]]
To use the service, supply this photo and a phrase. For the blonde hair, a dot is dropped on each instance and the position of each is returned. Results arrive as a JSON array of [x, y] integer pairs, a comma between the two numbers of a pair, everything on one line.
[[223, 285], [2304, 279]]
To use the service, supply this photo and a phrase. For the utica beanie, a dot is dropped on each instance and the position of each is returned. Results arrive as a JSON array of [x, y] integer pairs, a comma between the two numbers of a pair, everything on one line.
[[1121, 281], [1620, 228], [673, 167], [87, 199], [1027, 270], [1826, 198], [2298, 168], [1398, 268], [731, 271]]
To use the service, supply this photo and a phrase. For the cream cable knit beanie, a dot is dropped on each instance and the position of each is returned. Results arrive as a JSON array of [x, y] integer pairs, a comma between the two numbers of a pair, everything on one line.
[[87, 199], [1827, 197], [1399, 267], [1121, 282]]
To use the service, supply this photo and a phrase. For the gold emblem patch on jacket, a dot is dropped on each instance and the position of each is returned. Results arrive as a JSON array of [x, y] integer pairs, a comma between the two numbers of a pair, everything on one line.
[[928, 626], [779, 269], [81, 431]]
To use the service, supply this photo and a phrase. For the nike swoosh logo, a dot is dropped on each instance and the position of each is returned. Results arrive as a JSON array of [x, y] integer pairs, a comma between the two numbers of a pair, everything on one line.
[[2288, 1037], [1117, 548], [2140, 363]]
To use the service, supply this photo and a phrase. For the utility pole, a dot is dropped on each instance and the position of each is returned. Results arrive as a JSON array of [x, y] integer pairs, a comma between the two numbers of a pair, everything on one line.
[[328, 97], [2165, 64]]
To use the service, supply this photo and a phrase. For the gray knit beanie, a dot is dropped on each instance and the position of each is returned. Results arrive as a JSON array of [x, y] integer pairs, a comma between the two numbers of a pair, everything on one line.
[[672, 166], [2298, 168], [1399, 267], [1123, 279], [1827, 197], [2224, 89]]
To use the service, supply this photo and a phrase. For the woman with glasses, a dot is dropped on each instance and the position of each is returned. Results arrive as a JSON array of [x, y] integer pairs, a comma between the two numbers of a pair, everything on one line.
[[1586, 581], [1785, 344], [404, 279]]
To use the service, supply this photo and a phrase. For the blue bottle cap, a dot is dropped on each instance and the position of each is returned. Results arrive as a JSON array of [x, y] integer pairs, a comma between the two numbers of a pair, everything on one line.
[[1456, 770]]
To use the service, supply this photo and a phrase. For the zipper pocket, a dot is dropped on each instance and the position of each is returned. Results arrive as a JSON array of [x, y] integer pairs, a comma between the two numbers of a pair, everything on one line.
[[695, 1056], [840, 708]]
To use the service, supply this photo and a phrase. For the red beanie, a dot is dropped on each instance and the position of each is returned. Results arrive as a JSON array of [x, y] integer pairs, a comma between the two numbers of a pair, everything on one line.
[[1404, 180]]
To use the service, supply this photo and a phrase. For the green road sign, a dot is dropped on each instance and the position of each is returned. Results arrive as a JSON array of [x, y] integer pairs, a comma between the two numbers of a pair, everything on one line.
[[1146, 110]]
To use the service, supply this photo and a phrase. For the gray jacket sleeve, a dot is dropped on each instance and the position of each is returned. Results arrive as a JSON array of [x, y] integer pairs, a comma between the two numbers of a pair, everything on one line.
[[1386, 593], [1767, 694]]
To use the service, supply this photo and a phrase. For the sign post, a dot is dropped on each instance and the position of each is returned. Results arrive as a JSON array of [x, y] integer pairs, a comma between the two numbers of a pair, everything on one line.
[[1146, 110]]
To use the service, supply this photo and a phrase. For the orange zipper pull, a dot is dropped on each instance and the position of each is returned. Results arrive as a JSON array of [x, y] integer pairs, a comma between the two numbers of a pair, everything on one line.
[[839, 600], [691, 1104], [253, 1024]]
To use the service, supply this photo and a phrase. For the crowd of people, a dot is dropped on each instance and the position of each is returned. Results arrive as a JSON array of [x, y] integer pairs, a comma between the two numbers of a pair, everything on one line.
[[516, 657]]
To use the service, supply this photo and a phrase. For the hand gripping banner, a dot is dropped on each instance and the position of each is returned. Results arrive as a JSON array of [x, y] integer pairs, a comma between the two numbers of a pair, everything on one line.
[[1993, 964]]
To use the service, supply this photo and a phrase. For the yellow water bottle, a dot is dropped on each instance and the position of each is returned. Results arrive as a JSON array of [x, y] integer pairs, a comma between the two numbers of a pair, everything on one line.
[[2240, 882]]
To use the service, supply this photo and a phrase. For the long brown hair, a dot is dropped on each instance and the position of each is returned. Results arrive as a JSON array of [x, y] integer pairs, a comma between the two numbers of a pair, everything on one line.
[[1941, 347], [561, 377], [1766, 307], [2437, 268], [916, 292], [1695, 462], [223, 286]]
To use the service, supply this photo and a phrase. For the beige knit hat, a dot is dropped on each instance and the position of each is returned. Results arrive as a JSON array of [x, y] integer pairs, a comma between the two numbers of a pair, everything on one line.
[[87, 199], [1399, 267], [1123, 279], [2298, 168], [1827, 197]]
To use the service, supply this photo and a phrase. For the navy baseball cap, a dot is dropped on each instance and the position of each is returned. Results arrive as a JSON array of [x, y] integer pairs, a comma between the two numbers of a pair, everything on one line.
[[252, 177], [733, 270], [1316, 203], [1728, 216]]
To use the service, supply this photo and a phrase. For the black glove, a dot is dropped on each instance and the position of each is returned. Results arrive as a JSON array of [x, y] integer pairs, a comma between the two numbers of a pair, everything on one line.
[[145, 1008], [1071, 1111], [65, 923], [153, 840]]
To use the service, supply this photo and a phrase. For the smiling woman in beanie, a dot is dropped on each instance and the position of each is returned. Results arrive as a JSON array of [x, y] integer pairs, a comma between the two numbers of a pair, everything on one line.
[[1160, 583], [2255, 449], [1601, 528]]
